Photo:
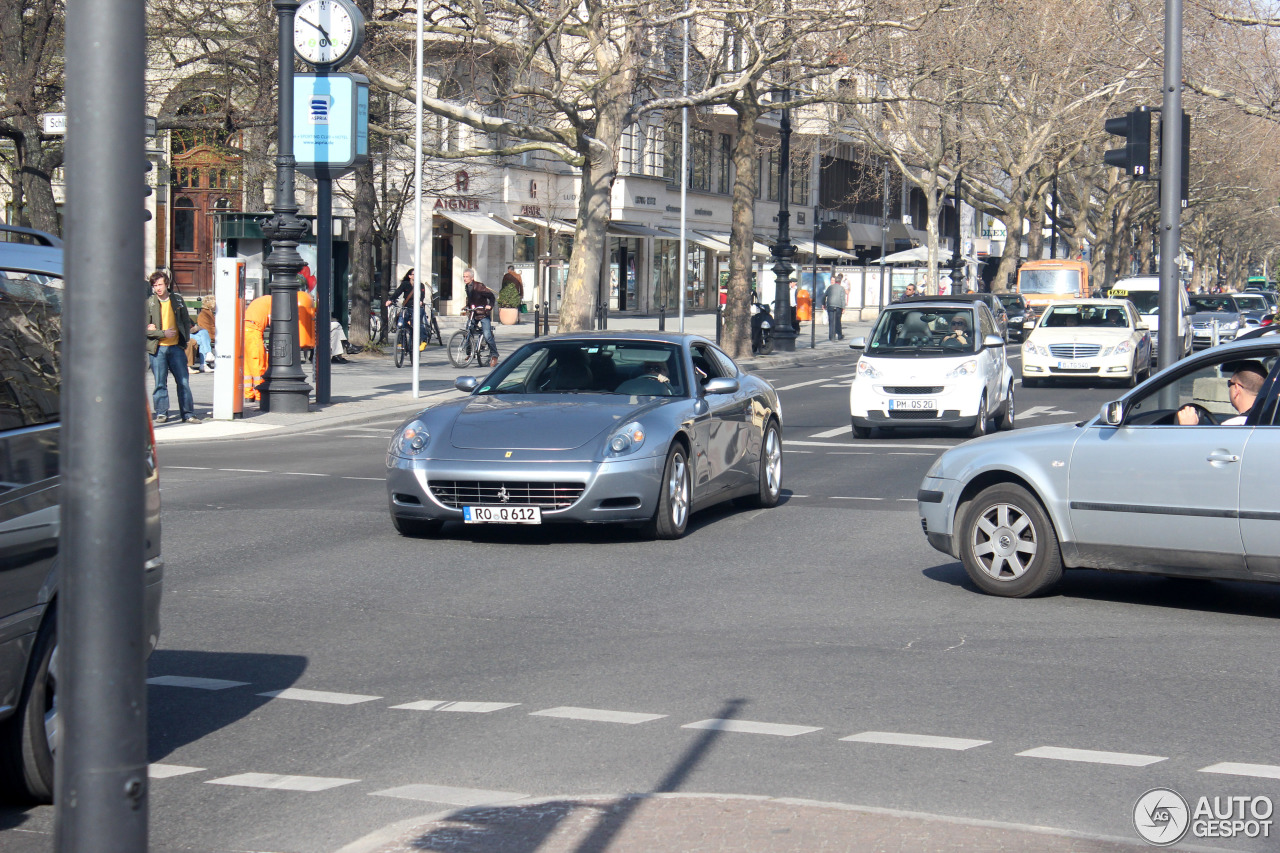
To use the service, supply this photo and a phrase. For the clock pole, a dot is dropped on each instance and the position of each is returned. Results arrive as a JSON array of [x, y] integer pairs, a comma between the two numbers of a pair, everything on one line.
[[284, 389]]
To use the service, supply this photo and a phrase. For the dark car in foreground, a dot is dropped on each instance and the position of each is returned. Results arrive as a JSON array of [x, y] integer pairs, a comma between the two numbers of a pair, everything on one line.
[[591, 428], [1131, 490], [31, 297]]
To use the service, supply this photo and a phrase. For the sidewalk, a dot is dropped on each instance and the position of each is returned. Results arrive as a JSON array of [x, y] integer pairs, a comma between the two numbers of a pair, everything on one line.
[[370, 387], [714, 823]]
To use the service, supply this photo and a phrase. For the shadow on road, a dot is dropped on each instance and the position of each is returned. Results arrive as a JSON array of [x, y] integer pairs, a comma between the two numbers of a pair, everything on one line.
[[177, 716], [580, 825]]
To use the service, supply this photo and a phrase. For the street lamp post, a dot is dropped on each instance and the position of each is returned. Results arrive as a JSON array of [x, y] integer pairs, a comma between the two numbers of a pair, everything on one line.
[[957, 260], [784, 336], [284, 388]]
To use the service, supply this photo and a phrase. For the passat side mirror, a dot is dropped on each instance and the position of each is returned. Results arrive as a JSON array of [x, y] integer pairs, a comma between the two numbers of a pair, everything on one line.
[[858, 343], [1113, 413], [466, 384]]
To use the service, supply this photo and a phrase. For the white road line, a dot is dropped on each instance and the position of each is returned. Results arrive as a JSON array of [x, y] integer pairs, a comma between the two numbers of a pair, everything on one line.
[[319, 696], [906, 453], [811, 382], [843, 498], [912, 500], [164, 771], [302, 474], [460, 707], [1232, 768], [832, 433], [797, 496], [278, 782], [1093, 756], [372, 479], [197, 683], [851, 453], [630, 718], [244, 470], [186, 468], [867, 445], [451, 796], [753, 728], [797, 451], [926, 741]]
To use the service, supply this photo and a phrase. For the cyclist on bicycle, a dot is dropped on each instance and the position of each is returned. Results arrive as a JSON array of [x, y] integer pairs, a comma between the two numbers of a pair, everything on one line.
[[405, 291], [481, 301]]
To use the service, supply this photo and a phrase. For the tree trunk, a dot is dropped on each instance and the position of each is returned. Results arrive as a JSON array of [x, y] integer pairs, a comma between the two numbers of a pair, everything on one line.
[[1012, 213], [36, 165], [736, 332], [1035, 229], [366, 203], [931, 211]]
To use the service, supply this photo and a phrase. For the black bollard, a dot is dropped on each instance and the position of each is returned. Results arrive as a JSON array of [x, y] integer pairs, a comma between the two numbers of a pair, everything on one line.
[[662, 318]]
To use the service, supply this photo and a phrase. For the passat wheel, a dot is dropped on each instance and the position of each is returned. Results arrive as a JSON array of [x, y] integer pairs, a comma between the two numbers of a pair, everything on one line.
[[29, 736], [672, 516], [1008, 544]]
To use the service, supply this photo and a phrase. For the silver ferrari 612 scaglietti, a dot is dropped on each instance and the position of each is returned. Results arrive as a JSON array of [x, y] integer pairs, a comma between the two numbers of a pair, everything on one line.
[[600, 427]]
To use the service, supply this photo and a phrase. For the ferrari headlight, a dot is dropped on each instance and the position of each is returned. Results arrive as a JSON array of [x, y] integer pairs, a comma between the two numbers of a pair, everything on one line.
[[626, 440], [411, 439], [867, 370], [968, 368]]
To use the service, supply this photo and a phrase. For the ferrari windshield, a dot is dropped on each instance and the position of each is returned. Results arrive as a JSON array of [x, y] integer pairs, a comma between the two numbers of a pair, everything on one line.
[[630, 368], [923, 331]]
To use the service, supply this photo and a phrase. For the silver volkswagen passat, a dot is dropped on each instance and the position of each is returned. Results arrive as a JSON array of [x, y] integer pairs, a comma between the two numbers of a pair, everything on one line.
[[591, 428]]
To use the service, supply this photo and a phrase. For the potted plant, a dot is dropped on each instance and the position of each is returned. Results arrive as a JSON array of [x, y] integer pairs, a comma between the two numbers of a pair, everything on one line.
[[509, 304]]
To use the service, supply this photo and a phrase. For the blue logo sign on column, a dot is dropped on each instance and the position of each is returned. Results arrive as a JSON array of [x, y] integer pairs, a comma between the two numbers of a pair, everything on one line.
[[330, 123]]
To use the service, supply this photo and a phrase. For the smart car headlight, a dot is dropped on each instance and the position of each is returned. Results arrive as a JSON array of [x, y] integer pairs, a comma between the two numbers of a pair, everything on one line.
[[626, 440], [967, 368], [411, 439], [867, 370]]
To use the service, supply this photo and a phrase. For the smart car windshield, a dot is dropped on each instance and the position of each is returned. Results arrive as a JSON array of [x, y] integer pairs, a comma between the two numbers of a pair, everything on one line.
[[924, 331], [1089, 316], [629, 368]]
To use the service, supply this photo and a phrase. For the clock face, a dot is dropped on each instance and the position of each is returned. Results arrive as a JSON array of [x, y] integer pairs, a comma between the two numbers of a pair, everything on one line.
[[323, 31]]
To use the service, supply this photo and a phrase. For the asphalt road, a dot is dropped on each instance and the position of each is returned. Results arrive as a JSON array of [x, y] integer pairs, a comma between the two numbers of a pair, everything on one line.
[[562, 661]]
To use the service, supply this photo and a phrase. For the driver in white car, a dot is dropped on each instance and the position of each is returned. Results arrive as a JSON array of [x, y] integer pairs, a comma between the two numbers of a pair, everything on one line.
[[1242, 390]]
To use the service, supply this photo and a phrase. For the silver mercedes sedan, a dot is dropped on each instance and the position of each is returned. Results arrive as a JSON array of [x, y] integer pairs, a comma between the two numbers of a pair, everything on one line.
[[630, 427], [1178, 477]]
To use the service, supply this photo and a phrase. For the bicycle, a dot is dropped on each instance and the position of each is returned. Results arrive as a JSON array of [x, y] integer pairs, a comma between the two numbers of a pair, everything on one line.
[[468, 344], [404, 334]]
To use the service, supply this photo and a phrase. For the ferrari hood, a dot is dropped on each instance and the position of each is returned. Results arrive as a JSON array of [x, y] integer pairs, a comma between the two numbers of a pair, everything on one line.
[[561, 422]]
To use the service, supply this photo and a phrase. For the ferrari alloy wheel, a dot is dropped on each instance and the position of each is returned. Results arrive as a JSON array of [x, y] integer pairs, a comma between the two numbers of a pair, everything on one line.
[[672, 517]]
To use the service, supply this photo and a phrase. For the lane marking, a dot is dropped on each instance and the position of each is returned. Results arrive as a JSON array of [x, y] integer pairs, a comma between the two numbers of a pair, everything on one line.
[[852, 453], [630, 718], [301, 695], [278, 782], [753, 728], [797, 451], [877, 445], [1046, 411], [813, 382], [451, 796], [797, 496], [844, 498], [301, 474], [1232, 768], [372, 479], [1093, 756], [186, 468], [832, 433], [926, 741], [164, 771], [460, 707], [906, 453], [245, 470], [197, 683]]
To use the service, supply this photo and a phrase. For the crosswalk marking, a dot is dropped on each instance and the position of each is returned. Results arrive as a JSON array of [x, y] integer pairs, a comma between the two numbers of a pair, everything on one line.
[[926, 741], [451, 796], [193, 682], [1232, 768], [319, 696], [460, 707], [278, 782], [164, 771], [596, 715], [1092, 756], [753, 728]]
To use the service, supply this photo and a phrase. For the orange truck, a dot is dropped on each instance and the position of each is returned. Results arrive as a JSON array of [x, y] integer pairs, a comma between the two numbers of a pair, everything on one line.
[[1043, 282]]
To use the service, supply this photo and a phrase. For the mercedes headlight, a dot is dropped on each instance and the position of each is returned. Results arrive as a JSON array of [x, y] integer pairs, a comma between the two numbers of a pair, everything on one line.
[[968, 368], [626, 440], [1230, 326], [866, 370], [411, 439], [1119, 349], [1036, 349]]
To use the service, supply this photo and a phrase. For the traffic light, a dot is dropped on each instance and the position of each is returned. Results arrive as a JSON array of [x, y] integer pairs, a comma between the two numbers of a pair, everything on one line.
[[1184, 162], [1135, 157], [146, 183]]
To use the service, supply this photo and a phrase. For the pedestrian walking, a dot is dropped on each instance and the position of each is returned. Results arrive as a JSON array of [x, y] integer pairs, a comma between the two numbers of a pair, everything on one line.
[[169, 328], [834, 301]]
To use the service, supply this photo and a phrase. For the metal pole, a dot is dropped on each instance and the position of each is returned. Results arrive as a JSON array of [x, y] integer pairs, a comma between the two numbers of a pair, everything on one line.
[[684, 173], [784, 334], [101, 755], [884, 236], [284, 388], [421, 277], [813, 327], [324, 281], [1171, 183]]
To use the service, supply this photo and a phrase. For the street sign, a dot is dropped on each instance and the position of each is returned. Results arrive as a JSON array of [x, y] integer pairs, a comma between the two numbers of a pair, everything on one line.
[[330, 123], [55, 124]]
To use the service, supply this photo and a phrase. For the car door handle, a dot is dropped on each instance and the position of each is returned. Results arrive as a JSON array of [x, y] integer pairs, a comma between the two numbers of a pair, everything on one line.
[[1222, 456]]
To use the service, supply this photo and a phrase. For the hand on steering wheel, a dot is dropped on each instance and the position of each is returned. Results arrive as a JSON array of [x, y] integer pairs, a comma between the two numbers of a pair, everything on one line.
[[1205, 417]]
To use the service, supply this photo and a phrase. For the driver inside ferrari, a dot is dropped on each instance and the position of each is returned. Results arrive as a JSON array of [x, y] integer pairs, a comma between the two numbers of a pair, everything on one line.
[[1242, 390]]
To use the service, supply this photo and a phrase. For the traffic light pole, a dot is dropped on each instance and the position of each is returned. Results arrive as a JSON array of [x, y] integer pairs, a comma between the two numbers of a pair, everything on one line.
[[1171, 184]]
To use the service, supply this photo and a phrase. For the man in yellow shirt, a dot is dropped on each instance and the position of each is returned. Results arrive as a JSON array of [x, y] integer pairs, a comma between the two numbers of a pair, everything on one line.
[[169, 328]]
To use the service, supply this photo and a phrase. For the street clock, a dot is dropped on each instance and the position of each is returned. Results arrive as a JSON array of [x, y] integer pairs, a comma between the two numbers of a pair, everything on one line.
[[328, 33]]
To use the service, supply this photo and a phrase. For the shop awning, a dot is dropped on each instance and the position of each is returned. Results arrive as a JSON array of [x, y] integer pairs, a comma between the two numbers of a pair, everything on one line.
[[805, 247], [757, 247], [479, 223], [559, 226], [861, 234], [625, 229], [697, 239]]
